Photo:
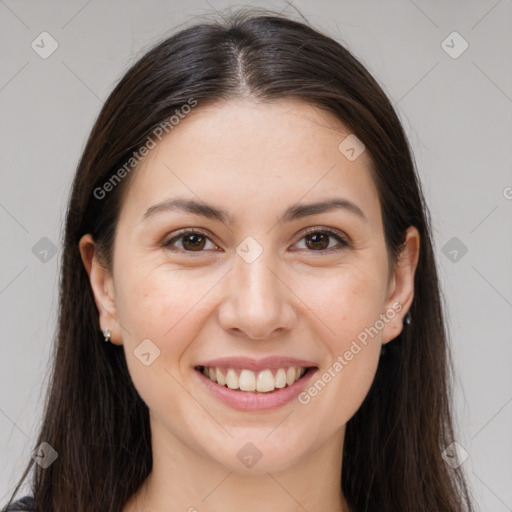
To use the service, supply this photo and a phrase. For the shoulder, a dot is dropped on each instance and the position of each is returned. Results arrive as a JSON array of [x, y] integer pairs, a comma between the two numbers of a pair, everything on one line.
[[25, 504]]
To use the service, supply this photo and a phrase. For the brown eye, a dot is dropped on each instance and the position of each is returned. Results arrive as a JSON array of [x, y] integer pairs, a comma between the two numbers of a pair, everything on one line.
[[318, 240], [191, 241]]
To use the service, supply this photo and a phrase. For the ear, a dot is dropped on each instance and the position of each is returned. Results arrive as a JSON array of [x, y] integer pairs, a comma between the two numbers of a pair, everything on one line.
[[401, 286], [102, 285]]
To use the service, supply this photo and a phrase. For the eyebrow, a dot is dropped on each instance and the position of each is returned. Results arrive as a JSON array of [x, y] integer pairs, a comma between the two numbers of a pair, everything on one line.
[[294, 212]]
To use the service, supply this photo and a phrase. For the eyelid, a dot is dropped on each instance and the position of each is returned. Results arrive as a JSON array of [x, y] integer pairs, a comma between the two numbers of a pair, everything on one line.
[[326, 229], [343, 239]]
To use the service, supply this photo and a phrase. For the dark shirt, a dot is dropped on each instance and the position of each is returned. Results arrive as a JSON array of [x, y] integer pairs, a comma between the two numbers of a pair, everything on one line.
[[25, 504]]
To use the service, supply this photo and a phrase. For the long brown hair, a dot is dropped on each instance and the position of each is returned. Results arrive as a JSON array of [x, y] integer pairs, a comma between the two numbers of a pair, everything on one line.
[[95, 419]]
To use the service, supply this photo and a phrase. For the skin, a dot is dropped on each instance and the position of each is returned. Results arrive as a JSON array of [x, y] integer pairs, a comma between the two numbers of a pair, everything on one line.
[[254, 160]]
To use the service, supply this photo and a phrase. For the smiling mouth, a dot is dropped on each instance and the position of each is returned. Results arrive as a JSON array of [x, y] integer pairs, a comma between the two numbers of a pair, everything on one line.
[[263, 381]]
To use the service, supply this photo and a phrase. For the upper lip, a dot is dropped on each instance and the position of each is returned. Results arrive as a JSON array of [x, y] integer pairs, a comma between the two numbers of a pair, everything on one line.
[[257, 364]]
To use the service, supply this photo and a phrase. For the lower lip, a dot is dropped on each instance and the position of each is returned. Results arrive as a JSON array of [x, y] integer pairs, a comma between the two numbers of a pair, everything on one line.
[[252, 401]]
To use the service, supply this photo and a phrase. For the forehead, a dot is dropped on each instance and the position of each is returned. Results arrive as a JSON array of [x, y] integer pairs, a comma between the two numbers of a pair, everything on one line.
[[242, 153]]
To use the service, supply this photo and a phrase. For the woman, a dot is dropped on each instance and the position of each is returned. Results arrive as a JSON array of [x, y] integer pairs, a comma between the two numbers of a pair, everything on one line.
[[247, 232]]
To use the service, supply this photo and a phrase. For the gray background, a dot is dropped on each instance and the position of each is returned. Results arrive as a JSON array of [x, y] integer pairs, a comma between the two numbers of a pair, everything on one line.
[[457, 113]]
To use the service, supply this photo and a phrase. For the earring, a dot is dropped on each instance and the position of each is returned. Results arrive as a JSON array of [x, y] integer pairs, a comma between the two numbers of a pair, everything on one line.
[[107, 333], [407, 318]]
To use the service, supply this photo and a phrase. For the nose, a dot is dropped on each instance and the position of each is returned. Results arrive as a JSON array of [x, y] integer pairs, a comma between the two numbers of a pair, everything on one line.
[[258, 303]]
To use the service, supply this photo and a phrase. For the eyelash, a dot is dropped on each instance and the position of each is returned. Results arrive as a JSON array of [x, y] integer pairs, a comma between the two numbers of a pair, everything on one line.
[[329, 232]]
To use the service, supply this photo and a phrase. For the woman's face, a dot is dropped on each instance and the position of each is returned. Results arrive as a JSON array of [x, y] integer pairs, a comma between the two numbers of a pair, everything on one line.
[[255, 284]]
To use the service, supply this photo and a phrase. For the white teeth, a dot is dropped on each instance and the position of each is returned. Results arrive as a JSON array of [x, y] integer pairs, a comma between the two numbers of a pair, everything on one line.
[[290, 375], [263, 381], [281, 378], [220, 377], [232, 379], [247, 380], [266, 381]]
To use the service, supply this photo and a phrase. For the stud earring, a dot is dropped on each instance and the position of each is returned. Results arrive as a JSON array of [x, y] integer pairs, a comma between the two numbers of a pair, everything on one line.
[[407, 318], [107, 333]]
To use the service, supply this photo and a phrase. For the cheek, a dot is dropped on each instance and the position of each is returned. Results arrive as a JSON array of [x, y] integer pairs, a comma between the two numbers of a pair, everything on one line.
[[163, 306], [347, 307], [161, 313], [345, 302], [161, 301]]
